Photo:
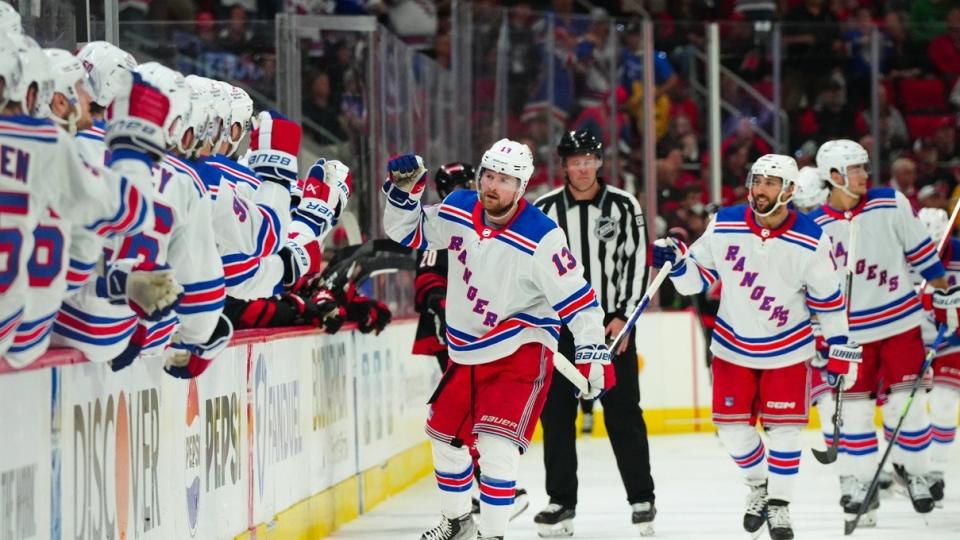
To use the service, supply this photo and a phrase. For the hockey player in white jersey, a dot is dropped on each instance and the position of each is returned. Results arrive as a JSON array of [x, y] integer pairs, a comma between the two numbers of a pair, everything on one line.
[[513, 281], [775, 269], [810, 193], [885, 316], [106, 202], [944, 397]]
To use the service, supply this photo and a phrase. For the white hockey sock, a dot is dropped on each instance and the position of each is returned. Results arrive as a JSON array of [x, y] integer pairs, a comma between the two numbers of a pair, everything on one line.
[[944, 402], [499, 463], [454, 470], [743, 444], [783, 461], [913, 441], [859, 456]]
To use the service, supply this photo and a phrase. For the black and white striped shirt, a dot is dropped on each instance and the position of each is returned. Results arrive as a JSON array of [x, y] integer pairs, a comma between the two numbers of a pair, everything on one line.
[[608, 235]]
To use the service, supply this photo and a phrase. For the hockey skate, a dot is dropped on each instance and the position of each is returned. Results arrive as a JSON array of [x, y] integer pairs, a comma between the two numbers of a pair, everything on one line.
[[778, 520], [847, 484], [885, 484], [857, 495], [756, 513], [521, 501], [555, 521], [461, 528], [917, 488], [935, 479], [642, 517]]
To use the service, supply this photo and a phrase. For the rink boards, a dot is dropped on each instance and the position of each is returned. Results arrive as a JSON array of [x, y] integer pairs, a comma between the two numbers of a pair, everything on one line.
[[288, 435]]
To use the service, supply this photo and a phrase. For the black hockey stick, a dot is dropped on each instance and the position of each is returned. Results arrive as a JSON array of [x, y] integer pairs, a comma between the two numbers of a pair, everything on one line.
[[829, 455], [850, 526]]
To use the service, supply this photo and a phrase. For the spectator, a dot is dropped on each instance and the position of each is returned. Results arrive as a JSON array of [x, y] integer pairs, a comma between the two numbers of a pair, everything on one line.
[[594, 62], [322, 112], [926, 18], [734, 174], [857, 40], [831, 117], [904, 180], [927, 157], [415, 21], [944, 51], [933, 196], [945, 139], [664, 78], [812, 37], [745, 135], [681, 134], [806, 155], [238, 36], [893, 129], [904, 57]]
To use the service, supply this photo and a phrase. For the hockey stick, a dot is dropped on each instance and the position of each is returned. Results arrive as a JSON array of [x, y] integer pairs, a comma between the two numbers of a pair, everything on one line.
[[571, 373], [829, 455], [642, 306], [850, 526]]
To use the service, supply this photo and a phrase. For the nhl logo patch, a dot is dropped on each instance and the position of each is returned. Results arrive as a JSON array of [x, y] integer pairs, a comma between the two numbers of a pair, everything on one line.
[[605, 228], [728, 401]]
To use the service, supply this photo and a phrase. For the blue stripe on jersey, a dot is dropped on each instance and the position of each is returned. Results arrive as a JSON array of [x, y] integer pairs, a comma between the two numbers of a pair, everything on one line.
[[764, 347]]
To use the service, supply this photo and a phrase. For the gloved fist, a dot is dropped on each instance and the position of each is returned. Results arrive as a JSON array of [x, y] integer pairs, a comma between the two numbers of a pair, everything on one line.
[[324, 195], [842, 361], [190, 360], [149, 289], [135, 120], [299, 261], [670, 250], [274, 146], [946, 308], [408, 178], [593, 361], [132, 350], [436, 306], [331, 313]]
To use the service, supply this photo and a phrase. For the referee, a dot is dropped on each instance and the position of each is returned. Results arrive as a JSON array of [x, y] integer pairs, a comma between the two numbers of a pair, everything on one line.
[[606, 232]]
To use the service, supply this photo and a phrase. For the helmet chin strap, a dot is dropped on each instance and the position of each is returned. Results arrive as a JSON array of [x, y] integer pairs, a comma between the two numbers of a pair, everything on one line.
[[776, 205], [69, 123], [845, 187]]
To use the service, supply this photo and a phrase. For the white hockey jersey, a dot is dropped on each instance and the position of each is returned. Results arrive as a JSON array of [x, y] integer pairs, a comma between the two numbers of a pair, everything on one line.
[[890, 241], [772, 280], [506, 286], [950, 258], [41, 170]]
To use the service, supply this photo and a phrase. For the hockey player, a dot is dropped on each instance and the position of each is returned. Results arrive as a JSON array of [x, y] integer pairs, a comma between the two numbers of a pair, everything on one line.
[[885, 316], [944, 397], [430, 299], [810, 193], [514, 281], [774, 264], [51, 177]]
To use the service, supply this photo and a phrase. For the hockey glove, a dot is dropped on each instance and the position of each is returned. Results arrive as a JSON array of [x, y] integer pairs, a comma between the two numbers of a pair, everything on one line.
[[132, 350], [149, 290], [325, 194], [669, 250], [189, 360], [274, 146], [946, 308], [332, 312], [300, 261], [435, 304], [407, 179], [593, 361], [843, 360], [135, 121]]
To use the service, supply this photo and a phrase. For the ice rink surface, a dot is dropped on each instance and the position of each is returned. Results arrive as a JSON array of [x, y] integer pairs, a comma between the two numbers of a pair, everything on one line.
[[699, 495]]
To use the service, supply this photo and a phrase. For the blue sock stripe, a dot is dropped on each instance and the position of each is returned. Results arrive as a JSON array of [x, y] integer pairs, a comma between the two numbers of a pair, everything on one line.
[[493, 482], [496, 501], [750, 453], [784, 455], [456, 476]]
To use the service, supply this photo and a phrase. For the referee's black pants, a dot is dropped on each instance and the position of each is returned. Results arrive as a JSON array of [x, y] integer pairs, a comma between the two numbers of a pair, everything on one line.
[[625, 427]]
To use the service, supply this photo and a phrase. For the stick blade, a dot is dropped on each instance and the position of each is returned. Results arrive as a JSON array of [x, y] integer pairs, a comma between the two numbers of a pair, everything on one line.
[[850, 526], [827, 456]]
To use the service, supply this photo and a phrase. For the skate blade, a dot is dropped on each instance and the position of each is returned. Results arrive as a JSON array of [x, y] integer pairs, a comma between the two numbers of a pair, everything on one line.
[[938, 504], [564, 529], [520, 504], [645, 529], [868, 520], [757, 533]]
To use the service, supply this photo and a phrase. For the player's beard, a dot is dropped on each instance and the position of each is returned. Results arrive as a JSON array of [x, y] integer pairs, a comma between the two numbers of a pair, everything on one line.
[[494, 205], [763, 205]]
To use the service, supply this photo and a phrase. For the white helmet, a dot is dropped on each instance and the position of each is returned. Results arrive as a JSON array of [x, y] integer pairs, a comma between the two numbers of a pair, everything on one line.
[[105, 64], [172, 84], [34, 70], [810, 192], [212, 97], [67, 71], [838, 155], [9, 67], [776, 165], [936, 221], [201, 110], [241, 112], [510, 158], [9, 20]]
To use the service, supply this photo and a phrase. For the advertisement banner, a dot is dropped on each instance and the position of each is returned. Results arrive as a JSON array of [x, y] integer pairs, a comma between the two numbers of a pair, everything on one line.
[[25, 465], [332, 432]]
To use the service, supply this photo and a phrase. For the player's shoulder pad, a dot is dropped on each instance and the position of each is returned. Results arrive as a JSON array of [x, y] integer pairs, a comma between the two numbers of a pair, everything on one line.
[[532, 223], [30, 129], [881, 193], [806, 226], [464, 199], [731, 214]]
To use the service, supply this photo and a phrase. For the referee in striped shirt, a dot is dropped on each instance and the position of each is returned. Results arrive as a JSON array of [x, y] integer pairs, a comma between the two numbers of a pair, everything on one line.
[[606, 233]]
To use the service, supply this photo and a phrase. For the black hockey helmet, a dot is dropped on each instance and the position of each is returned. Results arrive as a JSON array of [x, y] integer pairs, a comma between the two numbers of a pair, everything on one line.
[[454, 175], [581, 142]]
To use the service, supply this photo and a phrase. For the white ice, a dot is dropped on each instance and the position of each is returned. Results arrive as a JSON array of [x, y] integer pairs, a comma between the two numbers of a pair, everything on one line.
[[699, 495]]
